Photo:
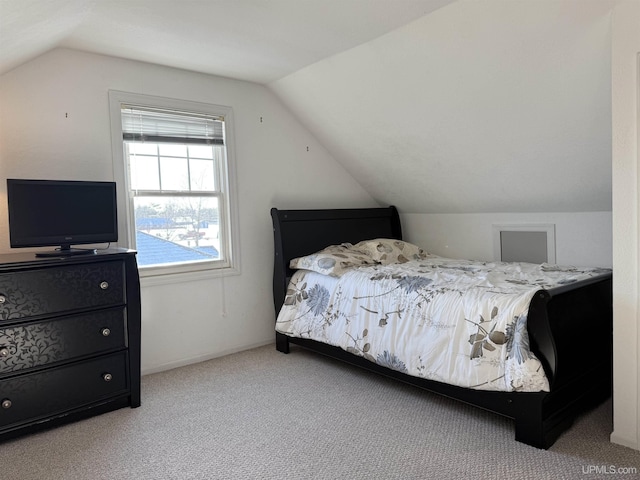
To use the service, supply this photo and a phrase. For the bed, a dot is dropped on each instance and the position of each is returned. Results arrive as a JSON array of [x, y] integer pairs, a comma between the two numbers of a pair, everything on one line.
[[569, 325]]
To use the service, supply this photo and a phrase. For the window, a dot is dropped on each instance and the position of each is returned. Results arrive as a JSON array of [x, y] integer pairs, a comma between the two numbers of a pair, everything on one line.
[[175, 170]]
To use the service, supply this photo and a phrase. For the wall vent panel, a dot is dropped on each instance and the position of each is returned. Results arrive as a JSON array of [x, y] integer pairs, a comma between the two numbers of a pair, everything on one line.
[[533, 243]]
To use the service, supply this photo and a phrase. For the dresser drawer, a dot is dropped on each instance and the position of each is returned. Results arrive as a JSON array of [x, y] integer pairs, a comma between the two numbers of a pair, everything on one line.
[[55, 391], [45, 291], [40, 343]]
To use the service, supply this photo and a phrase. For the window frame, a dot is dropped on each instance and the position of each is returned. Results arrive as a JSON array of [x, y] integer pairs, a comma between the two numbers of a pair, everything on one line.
[[158, 274]]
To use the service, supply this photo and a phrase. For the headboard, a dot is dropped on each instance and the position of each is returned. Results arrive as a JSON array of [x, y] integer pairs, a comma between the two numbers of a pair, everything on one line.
[[302, 232]]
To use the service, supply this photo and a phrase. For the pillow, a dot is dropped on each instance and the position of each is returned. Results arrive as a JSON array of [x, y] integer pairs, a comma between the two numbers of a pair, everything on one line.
[[333, 260], [388, 250]]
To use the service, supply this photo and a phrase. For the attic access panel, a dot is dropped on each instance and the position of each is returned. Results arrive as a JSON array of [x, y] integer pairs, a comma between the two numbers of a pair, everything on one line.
[[533, 243]]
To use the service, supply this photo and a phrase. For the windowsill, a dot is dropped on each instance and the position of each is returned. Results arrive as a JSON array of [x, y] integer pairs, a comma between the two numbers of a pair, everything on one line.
[[164, 276]]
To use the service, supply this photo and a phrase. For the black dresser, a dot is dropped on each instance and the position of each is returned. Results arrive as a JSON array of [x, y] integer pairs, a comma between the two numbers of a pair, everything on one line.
[[69, 338]]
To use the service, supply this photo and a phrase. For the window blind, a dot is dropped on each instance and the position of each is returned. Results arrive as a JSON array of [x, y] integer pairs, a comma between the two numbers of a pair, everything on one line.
[[168, 126]]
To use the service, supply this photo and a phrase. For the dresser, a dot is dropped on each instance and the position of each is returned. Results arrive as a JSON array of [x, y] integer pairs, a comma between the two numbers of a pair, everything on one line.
[[69, 338]]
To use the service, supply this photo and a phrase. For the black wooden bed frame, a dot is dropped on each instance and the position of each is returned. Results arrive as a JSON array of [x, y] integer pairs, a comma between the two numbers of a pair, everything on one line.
[[570, 327]]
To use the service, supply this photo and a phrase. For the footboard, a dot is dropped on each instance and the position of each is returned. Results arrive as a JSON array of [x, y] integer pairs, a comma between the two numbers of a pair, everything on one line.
[[571, 332], [571, 329]]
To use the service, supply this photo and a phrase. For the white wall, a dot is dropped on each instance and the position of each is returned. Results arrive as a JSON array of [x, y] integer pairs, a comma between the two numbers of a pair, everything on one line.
[[582, 239], [54, 123], [626, 223]]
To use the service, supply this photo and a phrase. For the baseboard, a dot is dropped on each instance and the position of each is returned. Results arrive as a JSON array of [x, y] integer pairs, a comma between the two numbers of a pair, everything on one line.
[[625, 442], [201, 358]]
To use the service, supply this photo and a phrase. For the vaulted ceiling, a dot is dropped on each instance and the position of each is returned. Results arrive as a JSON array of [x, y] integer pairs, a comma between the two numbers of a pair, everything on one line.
[[436, 106], [254, 40]]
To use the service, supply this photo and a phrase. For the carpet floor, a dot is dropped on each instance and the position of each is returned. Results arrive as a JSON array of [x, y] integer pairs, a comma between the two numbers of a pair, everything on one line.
[[260, 414]]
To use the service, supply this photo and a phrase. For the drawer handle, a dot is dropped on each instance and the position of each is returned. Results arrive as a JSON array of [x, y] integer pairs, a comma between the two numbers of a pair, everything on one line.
[[6, 403], [4, 352], [3, 299], [104, 285], [105, 332], [107, 377]]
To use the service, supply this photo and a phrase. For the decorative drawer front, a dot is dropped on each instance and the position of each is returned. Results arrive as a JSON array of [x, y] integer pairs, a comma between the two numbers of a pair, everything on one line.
[[58, 289], [40, 343], [55, 391]]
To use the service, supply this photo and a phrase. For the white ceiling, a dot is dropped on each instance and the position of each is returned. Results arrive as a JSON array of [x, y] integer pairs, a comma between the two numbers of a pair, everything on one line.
[[254, 40], [436, 106]]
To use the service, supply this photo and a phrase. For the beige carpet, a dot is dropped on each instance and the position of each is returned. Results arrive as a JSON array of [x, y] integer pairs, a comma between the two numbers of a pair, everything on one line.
[[261, 414]]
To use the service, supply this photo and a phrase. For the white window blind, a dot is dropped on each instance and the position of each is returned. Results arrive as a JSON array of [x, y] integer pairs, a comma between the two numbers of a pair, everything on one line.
[[162, 126]]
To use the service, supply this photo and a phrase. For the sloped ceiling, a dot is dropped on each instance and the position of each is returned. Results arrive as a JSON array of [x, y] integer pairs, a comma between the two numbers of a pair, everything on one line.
[[481, 106], [255, 40], [436, 106]]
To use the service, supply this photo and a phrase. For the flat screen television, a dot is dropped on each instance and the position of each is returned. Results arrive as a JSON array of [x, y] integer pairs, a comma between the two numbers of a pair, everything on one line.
[[61, 213]]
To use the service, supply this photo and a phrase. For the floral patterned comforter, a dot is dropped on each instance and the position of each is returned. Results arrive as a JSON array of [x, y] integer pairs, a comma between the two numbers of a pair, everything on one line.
[[454, 321]]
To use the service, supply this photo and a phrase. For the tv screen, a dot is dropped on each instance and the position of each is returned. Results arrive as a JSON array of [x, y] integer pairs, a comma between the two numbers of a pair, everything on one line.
[[61, 213]]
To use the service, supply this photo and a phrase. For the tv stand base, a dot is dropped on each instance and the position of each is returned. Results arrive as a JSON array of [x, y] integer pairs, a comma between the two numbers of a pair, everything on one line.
[[67, 252]]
